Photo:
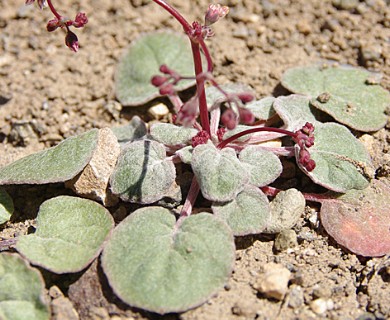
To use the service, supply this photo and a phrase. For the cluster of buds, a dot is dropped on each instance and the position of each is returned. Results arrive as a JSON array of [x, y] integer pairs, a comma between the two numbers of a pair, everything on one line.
[[304, 138], [59, 21], [230, 118], [201, 138], [166, 82]]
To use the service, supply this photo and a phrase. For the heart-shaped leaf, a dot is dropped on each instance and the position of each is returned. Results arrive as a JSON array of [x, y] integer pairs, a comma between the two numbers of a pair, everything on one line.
[[286, 208], [6, 206], [295, 110], [156, 264], [172, 135], [56, 164], [342, 162], [142, 60], [220, 174], [143, 174], [263, 165], [70, 234], [21, 290], [262, 109], [134, 130], [344, 92], [360, 220], [248, 213]]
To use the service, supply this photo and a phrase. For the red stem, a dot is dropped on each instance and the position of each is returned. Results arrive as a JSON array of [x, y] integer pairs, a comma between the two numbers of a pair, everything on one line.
[[223, 143], [314, 197], [53, 10], [174, 13], [191, 198]]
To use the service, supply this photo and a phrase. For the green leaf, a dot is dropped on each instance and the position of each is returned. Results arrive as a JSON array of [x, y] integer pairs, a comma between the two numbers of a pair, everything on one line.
[[70, 234], [134, 130], [56, 164], [286, 209], [360, 219], [263, 165], [295, 110], [220, 174], [342, 162], [172, 135], [344, 92], [6, 206], [247, 214], [21, 290], [152, 262], [262, 109], [142, 61], [185, 154], [143, 173]]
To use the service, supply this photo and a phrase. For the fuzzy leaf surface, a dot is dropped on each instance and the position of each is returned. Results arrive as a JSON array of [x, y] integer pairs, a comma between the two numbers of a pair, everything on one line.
[[263, 165], [360, 220], [134, 130], [70, 234], [352, 99], [221, 176], [172, 135], [143, 174], [248, 213], [295, 110], [157, 265], [6, 206], [215, 96], [142, 61], [342, 162], [262, 109], [56, 164], [21, 290]]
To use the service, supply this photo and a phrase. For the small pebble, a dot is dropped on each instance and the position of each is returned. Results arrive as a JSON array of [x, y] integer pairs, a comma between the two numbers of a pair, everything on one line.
[[285, 240], [321, 305], [158, 111]]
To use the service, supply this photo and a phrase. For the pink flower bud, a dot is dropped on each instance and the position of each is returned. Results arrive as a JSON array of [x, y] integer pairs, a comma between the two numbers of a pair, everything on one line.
[[80, 21], [71, 41], [164, 69], [158, 81], [167, 89], [214, 13], [201, 138], [246, 116], [245, 97], [229, 119], [53, 24]]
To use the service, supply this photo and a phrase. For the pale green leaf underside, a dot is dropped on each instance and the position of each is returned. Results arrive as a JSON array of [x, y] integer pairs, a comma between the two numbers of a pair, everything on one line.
[[220, 174], [153, 265], [352, 100], [248, 213], [263, 165], [6, 206], [172, 135], [21, 290], [262, 109], [142, 61], [143, 174], [70, 233], [341, 159], [134, 130], [56, 164]]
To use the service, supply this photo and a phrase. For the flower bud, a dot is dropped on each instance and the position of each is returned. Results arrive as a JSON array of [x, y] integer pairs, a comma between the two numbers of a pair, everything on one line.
[[158, 81], [214, 13], [71, 41], [245, 97], [80, 21], [246, 116], [229, 119], [53, 24], [167, 89]]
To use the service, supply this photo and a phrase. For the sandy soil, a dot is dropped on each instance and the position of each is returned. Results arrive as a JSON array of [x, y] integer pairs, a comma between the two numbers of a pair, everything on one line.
[[48, 93]]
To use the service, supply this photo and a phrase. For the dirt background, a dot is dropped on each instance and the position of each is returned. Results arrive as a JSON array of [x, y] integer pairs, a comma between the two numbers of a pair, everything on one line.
[[48, 93]]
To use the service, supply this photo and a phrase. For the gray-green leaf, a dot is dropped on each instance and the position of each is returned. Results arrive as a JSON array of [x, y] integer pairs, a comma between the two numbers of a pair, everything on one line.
[[21, 290], [6, 206], [134, 130], [344, 92], [262, 109], [220, 174], [56, 164], [70, 234], [248, 213], [156, 264], [172, 135], [263, 165], [342, 162], [142, 61], [143, 173]]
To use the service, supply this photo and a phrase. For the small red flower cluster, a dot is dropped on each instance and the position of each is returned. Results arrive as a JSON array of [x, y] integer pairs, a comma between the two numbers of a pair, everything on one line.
[[305, 139]]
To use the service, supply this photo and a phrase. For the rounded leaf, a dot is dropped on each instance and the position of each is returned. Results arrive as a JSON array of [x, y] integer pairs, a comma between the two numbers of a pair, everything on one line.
[[56, 164], [247, 214], [21, 290], [263, 165], [262, 109], [152, 262], [6, 206], [344, 92], [143, 174], [342, 162], [70, 234], [172, 135], [134, 130], [360, 220], [142, 61], [221, 176]]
